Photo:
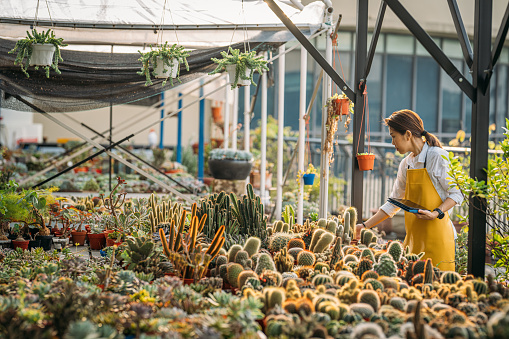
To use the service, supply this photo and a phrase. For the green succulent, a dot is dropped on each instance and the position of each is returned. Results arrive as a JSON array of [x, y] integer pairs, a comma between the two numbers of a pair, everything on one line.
[[166, 54]]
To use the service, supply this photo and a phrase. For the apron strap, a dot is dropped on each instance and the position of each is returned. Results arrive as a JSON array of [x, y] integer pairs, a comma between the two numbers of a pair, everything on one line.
[[425, 159]]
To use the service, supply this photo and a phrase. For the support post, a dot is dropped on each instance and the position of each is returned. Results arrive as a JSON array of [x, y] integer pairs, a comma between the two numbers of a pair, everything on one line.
[[161, 124], [226, 126], [247, 117], [235, 117], [462, 33], [201, 136], [302, 130], [179, 131], [361, 37], [324, 159], [480, 122], [263, 146], [281, 126]]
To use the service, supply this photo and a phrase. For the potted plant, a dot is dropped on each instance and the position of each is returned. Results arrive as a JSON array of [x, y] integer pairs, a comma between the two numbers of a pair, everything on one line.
[[366, 161], [39, 50], [166, 63], [96, 238], [336, 108], [240, 66], [308, 175], [228, 164], [341, 104]]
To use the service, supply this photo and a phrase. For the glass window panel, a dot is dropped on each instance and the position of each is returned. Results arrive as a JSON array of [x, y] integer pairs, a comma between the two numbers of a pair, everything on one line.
[[493, 100], [380, 46], [345, 41], [502, 92], [420, 50], [504, 56], [400, 44], [452, 48], [451, 102], [427, 92], [399, 83], [375, 93], [343, 66]]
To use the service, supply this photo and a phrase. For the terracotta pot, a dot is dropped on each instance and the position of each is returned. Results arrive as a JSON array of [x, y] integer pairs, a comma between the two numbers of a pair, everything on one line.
[[217, 115], [97, 241], [78, 237], [255, 177], [21, 244], [80, 170], [366, 162], [110, 242], [188, 281], [196, 145], [342, 106]]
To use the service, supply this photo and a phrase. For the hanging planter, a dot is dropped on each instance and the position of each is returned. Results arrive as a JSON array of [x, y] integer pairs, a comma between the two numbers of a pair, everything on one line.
[[366, 161], [39, 50], [336, 109], [309, 178], [166, 62], [240, 66], [217, 114]]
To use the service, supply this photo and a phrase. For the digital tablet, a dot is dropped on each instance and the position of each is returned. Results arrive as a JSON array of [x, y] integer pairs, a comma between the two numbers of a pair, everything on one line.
[[406, 205]]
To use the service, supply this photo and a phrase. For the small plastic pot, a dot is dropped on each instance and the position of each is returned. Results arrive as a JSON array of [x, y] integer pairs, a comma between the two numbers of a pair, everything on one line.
[[309, 178]]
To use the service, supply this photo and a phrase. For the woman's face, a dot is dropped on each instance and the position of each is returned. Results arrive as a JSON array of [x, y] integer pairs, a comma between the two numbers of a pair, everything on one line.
[[400, 141]]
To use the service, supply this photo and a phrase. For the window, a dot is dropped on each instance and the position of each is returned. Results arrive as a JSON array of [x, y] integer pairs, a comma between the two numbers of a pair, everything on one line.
[[398, 83], [427, 92], [451, 102]]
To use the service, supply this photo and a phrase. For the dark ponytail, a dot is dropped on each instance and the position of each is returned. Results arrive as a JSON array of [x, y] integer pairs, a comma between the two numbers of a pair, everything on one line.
[[407, 120]]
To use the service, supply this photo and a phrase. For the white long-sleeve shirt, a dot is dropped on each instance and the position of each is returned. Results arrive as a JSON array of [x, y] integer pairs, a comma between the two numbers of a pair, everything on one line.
[[437, 168]]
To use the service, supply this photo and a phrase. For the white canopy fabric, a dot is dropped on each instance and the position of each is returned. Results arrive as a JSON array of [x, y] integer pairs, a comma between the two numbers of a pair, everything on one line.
[[191, 23]]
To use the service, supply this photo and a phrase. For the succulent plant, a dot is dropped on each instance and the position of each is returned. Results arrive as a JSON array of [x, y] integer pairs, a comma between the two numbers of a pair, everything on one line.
[[264, 262], [252, 245], [322, 243], [306, 258], [283, 261]]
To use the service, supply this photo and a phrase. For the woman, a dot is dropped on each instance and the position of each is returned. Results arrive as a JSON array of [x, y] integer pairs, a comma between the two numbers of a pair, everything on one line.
[[422, 178]]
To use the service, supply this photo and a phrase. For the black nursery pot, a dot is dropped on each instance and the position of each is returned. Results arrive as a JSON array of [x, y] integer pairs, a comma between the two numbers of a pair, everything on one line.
[[230, 169], [45, 240], [34, 244]]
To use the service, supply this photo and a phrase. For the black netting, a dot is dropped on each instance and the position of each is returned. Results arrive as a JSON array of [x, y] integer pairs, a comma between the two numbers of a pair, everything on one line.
[[91, 80]]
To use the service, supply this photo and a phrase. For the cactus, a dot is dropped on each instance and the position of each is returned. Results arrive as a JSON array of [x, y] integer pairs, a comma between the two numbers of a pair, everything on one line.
[[480, 286], [163, 213], [249, 212], [283, 261], [366, 237], [279, 240], [286, 228], [322, 223], [395, 250], [244, 275], [271, 278], [241, 257], [316, 236], [331, 226], [322, 279], [319, 266], [294, 252], [273, 296], [323, 243], [217, 208], [296, 243], [450, 277], [264, 263], [330, 308], [367, 253], [369, 297], [350, 257], [336, 252], [363, 309], [233, 273], [278, 226], [252, 245], [352, 220], [365, 264], [386, 266], [340, 229], [223, 272], [428, 272], [220, 260], [389, 283], [418, 267], [374, 283], [233, 252], [369, 275], [306, 258], [398, 303]]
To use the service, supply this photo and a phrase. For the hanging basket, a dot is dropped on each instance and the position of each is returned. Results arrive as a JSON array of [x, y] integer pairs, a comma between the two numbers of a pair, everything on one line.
[[217, 115], [42, 54], [342, 106], [162, 71], [231, 69], [366, 161], [309, 178]]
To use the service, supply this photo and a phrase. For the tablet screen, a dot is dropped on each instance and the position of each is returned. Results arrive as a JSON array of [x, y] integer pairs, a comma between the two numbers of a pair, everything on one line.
[[408, 203]]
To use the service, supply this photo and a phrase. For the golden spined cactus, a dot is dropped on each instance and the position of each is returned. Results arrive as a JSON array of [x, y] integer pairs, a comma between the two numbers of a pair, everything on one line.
[[163, 213]]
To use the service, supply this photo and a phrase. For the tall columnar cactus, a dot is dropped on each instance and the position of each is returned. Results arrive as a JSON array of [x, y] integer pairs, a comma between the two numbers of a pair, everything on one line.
[[395, 250], [286, 228], [264, 262], [218, 209], [306, 258], [352, 220], [340, 231], [418, 267], [163, 213], [252, 245], [336, 252], [250, 214], [283, 261], [428, 272], [331, 226], [323, 243], [369, 297]]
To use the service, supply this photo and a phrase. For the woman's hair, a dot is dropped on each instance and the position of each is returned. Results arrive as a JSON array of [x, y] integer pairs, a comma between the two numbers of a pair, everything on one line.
[[407, 120]]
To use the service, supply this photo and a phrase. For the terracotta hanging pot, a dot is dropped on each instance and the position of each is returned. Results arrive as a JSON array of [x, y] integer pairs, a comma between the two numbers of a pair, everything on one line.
[[217, 114], [342, 106], [366, 161]]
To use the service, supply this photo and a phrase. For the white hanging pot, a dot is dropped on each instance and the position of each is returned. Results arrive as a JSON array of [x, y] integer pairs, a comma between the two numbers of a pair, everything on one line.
[[42, 54], [231, 75], [161, 67]]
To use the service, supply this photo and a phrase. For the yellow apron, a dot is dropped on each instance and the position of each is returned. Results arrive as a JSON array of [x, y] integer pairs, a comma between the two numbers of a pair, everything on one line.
[[433, 237]]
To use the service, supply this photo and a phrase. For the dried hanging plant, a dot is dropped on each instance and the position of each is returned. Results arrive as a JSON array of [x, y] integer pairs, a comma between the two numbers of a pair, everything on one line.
[[333, 116]]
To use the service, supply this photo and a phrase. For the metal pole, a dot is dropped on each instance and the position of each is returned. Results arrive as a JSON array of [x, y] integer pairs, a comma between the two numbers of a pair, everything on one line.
[[235, 117], [263, 146], [247, 117], [324, 158], [161, 124], [281, 126], [358, 119], [179, 131], [201, 137], [302, 130], [226, 126], [480, 122], [111, 138]]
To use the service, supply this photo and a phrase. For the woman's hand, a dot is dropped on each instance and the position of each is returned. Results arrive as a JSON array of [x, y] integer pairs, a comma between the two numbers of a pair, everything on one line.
[[426, 215], [358, 229]]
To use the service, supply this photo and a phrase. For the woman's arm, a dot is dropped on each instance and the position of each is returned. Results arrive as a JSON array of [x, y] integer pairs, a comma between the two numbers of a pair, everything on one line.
[[430, 215], [371, 222]]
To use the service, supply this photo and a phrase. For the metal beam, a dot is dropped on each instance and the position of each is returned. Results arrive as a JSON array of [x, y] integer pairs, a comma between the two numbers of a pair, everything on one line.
[[311, 50], [501, 36], [462, 33], [359, 121], [428, 43], [480, 134], [374, 39]]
